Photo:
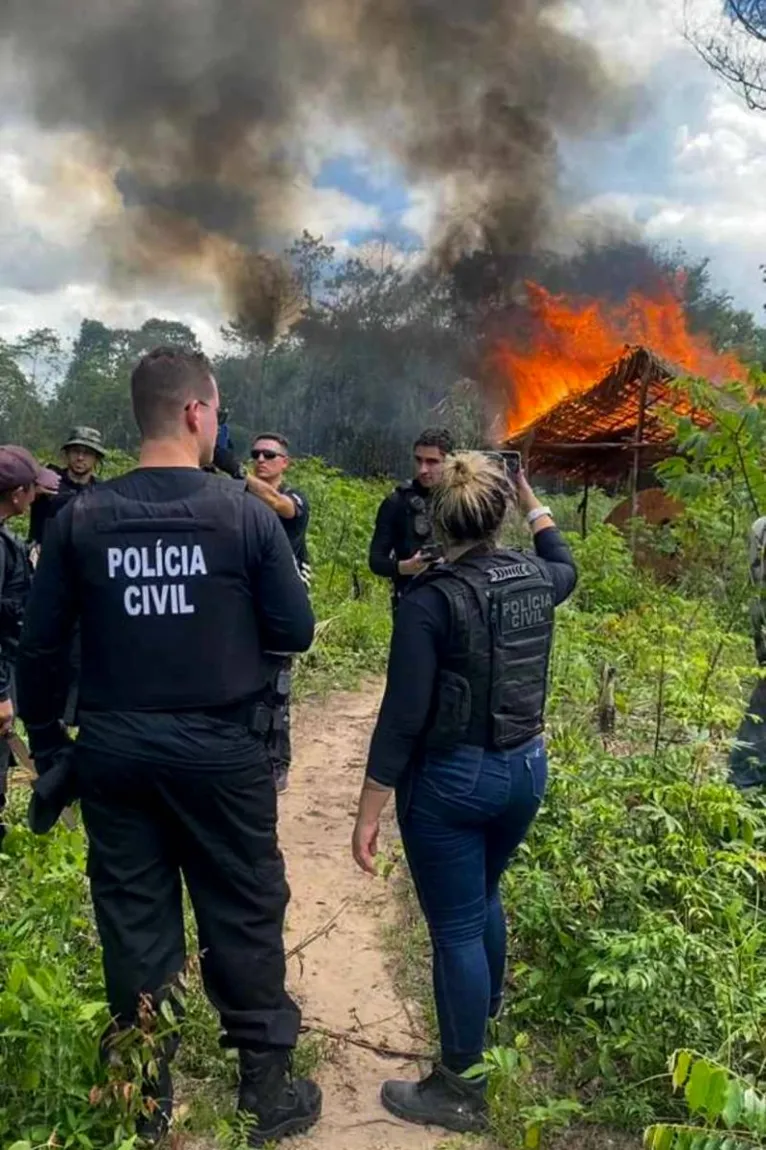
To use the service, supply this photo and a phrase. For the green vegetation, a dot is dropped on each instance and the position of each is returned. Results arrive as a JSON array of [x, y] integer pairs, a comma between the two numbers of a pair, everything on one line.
[[635, 905]]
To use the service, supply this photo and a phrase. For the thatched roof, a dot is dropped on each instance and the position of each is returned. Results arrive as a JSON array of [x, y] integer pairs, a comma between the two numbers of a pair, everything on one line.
[[591, 435]]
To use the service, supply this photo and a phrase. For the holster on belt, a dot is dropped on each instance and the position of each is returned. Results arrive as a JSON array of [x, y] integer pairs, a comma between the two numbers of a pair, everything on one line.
[[261, 718]]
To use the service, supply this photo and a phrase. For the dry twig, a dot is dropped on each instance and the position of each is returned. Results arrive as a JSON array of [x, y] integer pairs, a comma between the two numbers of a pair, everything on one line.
[[321, 932], [382, 1049]]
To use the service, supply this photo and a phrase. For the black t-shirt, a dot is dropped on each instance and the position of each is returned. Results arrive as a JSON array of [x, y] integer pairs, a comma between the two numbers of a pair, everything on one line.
[[46, 507], [194, 738], [296, 529], [420, 638]]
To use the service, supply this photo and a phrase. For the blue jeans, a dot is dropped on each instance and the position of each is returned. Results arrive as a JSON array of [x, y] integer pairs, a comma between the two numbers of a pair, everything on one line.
[[467, 812]]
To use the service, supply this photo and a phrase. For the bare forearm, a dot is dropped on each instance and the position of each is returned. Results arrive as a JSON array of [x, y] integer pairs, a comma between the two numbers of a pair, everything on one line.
[[282, 504], [528, 501], [373, 801]]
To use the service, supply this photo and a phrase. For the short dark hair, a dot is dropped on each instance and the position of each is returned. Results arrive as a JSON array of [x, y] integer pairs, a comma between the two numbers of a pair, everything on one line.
[[282, 440], [161, 385], [439, 437]]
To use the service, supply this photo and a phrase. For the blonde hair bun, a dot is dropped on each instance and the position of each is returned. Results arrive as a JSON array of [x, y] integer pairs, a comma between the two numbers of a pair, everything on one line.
[[472, 497]]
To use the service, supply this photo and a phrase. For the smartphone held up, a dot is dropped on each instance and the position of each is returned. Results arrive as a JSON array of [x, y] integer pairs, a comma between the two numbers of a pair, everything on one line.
[[512, 461]]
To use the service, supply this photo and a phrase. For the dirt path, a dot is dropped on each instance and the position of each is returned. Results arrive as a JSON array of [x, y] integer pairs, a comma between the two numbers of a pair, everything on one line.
[[341, 979]]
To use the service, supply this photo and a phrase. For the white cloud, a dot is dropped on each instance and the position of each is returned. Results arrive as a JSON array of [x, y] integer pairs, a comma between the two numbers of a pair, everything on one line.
[[331, 213], [699, 142]]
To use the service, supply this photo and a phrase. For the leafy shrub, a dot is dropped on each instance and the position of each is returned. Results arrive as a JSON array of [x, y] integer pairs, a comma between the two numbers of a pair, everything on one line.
[[733, 1110]]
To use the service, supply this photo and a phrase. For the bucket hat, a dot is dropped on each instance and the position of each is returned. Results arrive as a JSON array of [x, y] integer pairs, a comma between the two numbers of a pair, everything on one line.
[[86, 437]]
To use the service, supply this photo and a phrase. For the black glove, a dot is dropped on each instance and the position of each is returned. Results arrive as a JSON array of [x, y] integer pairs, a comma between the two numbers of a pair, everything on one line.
[[54, 790], [47, 740]]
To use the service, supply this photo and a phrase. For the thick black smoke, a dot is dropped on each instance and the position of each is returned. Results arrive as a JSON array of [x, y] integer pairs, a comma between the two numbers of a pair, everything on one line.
[[205, 112]]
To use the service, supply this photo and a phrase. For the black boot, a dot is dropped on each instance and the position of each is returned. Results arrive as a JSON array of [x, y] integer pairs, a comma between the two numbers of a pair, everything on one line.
[[157, 1093], [279, 1104], [443, 1099], [152, 1126]]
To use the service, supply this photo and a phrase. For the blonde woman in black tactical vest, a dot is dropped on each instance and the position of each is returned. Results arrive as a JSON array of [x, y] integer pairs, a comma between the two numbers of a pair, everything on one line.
[[459, 740]]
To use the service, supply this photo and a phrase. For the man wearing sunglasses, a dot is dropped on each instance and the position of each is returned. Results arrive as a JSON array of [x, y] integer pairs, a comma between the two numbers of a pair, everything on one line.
[[271, 459]]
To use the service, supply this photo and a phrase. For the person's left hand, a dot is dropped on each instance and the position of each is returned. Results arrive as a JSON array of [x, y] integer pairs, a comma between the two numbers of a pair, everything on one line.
[[365, 845], [51, 486]]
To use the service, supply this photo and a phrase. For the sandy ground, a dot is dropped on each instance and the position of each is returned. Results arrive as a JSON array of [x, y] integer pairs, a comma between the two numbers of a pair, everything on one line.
[[341, 979]]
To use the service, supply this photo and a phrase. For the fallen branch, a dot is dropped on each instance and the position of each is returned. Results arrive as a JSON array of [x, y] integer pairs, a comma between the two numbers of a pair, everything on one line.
[[322, 932], [376, 1048]]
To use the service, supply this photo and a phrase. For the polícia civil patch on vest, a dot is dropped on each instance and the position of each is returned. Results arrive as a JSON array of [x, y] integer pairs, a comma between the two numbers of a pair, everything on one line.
[[165, 565], [524, 611]]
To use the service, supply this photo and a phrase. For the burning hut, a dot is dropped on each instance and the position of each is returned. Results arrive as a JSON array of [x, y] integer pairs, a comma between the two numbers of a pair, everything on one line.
[[583, 382], [610, 431]]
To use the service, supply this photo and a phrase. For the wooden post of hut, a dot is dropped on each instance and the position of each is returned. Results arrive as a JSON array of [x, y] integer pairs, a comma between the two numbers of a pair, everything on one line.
[[583, 507], [636, 469]]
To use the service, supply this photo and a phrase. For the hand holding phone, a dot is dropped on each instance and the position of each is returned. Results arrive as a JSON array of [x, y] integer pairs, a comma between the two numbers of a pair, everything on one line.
[[512, 461]]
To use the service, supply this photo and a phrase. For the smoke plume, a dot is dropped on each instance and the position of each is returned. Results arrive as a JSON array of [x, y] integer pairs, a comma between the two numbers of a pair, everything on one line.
[[207, 116]]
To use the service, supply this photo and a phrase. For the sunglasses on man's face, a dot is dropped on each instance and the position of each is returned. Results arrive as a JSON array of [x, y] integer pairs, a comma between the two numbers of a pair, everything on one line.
[[263, 453]]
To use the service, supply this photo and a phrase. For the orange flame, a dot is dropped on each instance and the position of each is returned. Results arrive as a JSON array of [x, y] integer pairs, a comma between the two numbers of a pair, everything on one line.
[[576, 343]]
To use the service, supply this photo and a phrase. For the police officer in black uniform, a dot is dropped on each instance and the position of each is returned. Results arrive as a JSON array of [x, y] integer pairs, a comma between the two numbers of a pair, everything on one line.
[[180, 581], [82, 452], [459, 738], [21, 480], [271, 458], [403, 543]]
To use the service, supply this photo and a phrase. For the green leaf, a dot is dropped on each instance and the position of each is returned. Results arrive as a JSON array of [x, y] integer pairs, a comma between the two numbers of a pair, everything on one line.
[[37, 990], [753, 1111], [680, 1064], [21, 1146], [717, 1092], [697, 1086], [659, 1138], [16, 977], [89, 1010], [732, 1111], [532, 1137], [166, 1010]]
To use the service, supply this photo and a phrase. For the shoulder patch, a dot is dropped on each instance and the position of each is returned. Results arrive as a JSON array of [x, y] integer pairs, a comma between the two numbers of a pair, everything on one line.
[[511, 571]]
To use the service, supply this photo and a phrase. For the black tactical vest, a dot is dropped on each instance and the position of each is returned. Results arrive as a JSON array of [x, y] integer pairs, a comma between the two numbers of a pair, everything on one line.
[[166, 605], [492, 684], [15, 590], [418, 528]]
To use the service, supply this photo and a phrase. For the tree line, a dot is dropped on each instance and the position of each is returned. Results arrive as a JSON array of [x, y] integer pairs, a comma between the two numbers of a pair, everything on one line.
[[363, 353]]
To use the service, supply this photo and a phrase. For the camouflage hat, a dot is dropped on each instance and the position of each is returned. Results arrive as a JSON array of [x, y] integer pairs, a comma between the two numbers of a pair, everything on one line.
[[86, 437]]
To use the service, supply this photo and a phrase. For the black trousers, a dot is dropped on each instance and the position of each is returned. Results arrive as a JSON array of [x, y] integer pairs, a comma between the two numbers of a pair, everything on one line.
[[149, 824], [73, 680]]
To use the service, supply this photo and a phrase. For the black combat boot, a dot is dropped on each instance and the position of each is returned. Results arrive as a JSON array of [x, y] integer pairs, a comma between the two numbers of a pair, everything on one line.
[[280, 1105], [443, 1099], [157, 1093]]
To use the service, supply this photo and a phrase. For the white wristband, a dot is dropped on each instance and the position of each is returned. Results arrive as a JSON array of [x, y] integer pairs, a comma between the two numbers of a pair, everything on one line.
[[538, 513]]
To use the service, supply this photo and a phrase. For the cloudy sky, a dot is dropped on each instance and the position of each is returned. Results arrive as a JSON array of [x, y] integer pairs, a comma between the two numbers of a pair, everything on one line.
[[691, 170]]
